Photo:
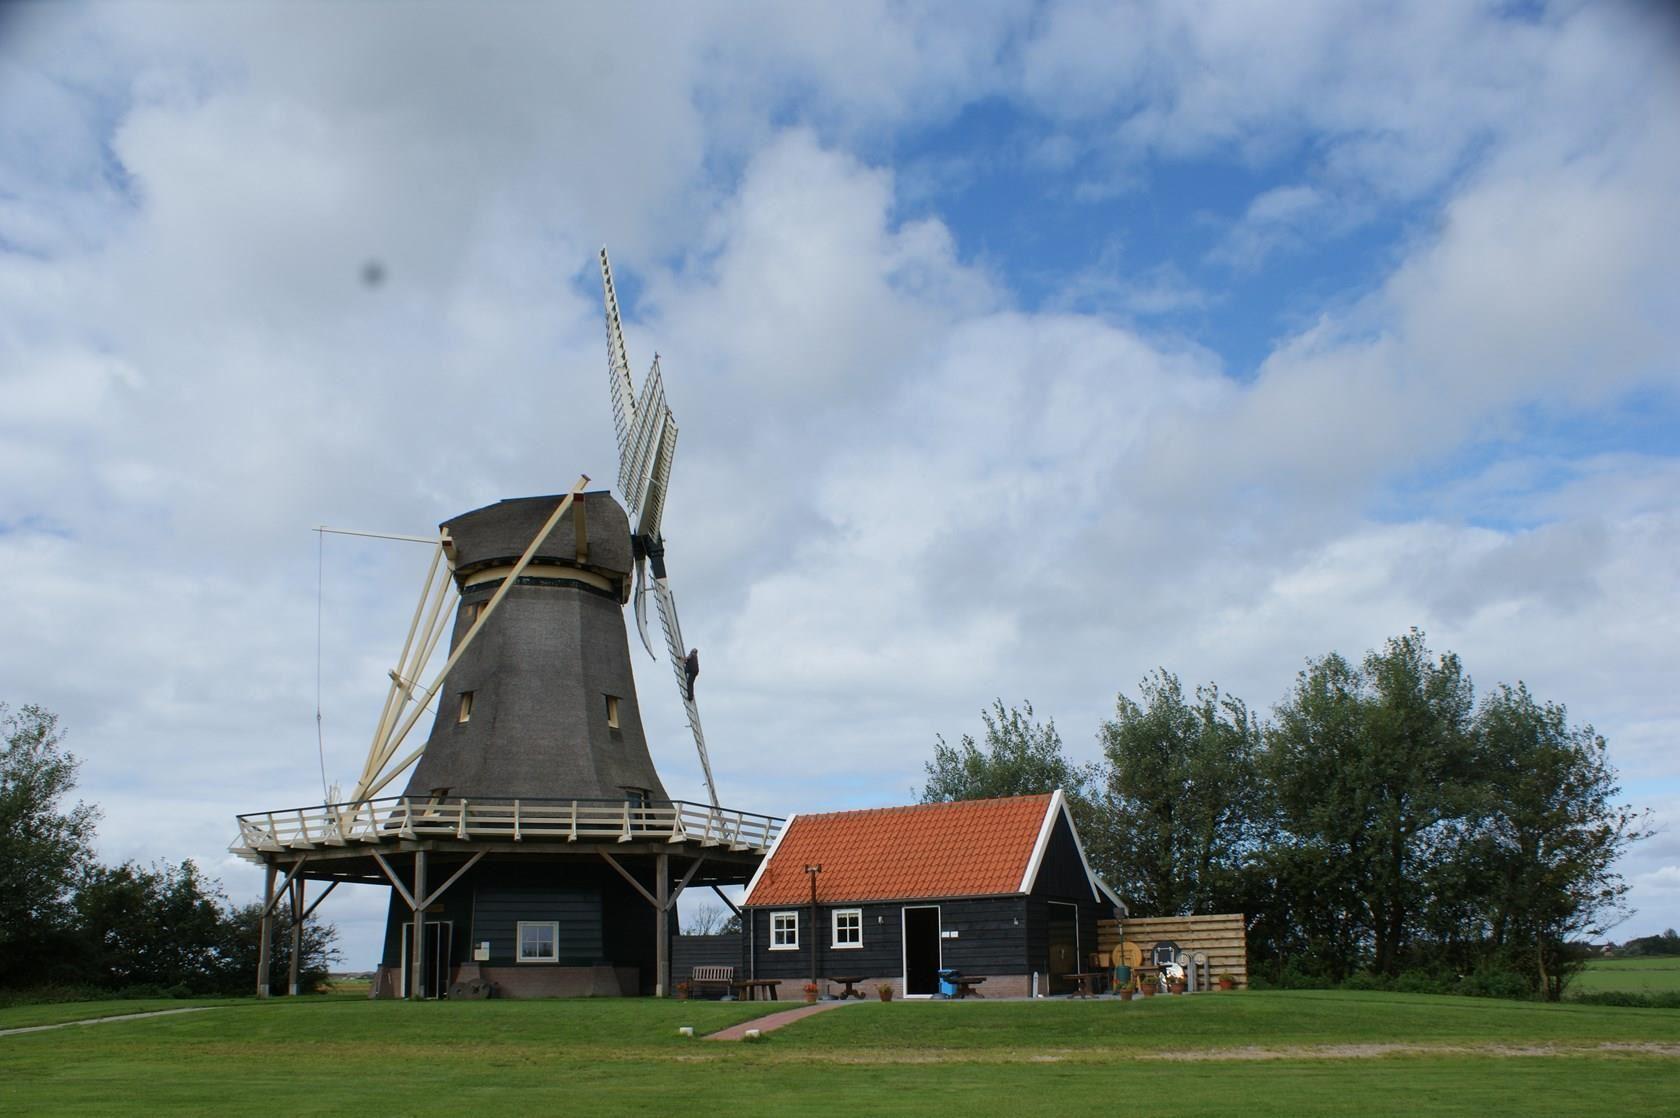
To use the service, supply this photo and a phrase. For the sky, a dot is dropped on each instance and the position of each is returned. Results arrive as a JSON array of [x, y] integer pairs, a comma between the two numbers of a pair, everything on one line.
[[1018, 350]]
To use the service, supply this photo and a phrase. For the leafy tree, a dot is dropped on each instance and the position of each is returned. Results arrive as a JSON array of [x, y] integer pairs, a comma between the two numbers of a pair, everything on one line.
[[162, 926], [1548, 834], [44, 845], [1368, 765], [1021, 757], [1181, 809], [1666, 944], [242, 938]]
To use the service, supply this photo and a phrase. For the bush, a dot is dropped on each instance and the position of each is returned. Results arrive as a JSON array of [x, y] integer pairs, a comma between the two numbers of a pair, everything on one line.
[[1492, 983], [1666, 999], [1366, 980]]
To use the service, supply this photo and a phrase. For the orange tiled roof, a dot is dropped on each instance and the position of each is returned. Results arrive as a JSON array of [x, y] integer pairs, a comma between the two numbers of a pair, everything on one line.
[[962, 849]]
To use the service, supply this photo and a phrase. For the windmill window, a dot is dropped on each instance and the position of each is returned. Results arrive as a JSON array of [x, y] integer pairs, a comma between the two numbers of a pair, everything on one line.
[[784, 931], [465, 712], [539, 941], [848, 927], [612, 712]]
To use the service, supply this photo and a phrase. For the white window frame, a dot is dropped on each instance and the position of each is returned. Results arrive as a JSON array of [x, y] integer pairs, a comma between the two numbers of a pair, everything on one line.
[[519, 941], [792, 918], [834, 928]]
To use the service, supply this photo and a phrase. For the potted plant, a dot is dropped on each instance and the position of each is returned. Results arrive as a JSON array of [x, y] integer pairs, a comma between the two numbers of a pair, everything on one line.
[[683, 990], [810, 992], [1147, 989], [1175, 986], [1226, 982], [885, 990], [1125, 992]]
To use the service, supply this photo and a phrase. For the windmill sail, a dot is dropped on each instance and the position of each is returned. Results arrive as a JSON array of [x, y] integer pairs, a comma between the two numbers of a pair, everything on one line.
[[647, 445]]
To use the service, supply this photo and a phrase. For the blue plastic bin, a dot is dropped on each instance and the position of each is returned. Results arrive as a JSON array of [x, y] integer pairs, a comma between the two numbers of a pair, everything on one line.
[[948, 982]]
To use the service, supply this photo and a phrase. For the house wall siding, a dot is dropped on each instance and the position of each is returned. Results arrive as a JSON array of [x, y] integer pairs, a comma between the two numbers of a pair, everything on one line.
[[990, 940]]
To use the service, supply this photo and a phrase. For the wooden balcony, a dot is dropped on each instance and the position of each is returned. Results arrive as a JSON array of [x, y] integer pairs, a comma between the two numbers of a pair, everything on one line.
[[398, 819]]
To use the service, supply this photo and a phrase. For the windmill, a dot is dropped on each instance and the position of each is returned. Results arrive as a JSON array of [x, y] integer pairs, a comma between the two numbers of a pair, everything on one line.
[[647, 444], [534, 799]]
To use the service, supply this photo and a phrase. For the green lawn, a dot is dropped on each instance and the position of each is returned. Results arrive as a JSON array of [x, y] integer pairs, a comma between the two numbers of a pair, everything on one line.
[[330, 1056], [1640, 976], [53, 1013]]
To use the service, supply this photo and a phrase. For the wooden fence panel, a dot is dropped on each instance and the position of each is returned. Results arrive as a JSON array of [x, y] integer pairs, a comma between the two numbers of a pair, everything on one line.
[[1224, 937]]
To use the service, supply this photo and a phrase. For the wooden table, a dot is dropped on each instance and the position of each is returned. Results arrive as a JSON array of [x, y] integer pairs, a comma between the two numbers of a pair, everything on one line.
[[1087, 983], [749, 990], [848, 992], [966, 986]]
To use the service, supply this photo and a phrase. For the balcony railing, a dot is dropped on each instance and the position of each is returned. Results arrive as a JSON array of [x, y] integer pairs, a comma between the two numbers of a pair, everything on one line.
[[398, 818]]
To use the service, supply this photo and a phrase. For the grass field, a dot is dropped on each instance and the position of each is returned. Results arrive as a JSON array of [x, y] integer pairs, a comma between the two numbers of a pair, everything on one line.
[[1257, 1053], [1637, 976]]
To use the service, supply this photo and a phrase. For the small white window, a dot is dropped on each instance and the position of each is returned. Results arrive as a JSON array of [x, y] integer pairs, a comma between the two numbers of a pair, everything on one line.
[[612, 712], [539, 941], [784, 931], [465, 713], [848, 927]]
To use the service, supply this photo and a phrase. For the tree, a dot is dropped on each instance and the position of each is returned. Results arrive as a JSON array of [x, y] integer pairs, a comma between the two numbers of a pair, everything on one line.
[[162, 926], [1368, 765], [1021, 757], [1180, 811], [711, 920], [44, 845], [1547, 834], [242, 938]]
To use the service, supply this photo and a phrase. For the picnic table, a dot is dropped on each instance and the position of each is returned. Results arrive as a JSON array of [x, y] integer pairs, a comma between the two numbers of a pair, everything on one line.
[[1087, 983], [966, 986], [850, 983], [750, 989]]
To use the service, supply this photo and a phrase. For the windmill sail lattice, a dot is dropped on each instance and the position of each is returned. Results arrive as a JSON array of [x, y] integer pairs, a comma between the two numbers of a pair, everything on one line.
[[647, 445]]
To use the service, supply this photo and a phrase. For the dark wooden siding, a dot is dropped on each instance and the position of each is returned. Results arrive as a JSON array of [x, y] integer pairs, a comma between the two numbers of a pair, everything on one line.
[[1061, 873], [991, 939], [688, 952]]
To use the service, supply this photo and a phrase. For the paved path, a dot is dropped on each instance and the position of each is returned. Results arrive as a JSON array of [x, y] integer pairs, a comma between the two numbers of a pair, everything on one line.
[[773, 1021], [102, 1020]]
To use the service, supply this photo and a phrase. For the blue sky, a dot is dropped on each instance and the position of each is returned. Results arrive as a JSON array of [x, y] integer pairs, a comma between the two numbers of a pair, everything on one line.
[[1018, 350]]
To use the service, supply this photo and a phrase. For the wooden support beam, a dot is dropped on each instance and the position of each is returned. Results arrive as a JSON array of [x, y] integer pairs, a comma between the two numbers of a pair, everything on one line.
[[453, 878], [662, 926], [396, 882], [273, 899], [686, 878], [316, 903], [637, 885], [265, 929], [297, 938], [733, 907], [417, 939]]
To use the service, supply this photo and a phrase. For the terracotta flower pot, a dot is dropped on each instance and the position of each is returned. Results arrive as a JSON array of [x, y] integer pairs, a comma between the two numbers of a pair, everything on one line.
[[810, 994], [1226, 982], [1126, 994], [1147, 990]]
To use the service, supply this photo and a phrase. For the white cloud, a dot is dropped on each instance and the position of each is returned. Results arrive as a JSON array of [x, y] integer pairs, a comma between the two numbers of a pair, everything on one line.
[[898, 494]]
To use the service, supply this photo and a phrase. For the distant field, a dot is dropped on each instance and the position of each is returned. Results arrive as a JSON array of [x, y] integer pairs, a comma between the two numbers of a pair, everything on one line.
[[1640, 976], [1258, 1053]]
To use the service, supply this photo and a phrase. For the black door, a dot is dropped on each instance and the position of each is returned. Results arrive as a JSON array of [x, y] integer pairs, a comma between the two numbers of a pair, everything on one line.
[[1064, 946], [434, 962], [921, 951]]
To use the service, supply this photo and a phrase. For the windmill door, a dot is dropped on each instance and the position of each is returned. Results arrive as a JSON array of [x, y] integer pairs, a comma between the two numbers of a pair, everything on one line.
[[921, 951], [434, 966], [1064, 946]]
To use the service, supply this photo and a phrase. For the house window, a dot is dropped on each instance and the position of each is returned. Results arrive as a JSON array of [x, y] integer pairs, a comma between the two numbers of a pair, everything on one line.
[[465, 712], [784, 931], [848, 927], [539, 941], [612, 712]]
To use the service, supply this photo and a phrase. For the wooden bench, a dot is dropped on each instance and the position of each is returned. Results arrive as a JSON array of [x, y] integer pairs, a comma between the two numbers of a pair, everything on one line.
[[701, 977]]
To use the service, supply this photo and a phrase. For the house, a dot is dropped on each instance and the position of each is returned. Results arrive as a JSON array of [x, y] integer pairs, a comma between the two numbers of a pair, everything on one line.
[[998, 888]]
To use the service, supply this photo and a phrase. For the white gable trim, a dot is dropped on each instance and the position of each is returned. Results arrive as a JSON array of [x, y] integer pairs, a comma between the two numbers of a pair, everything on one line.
[[1030, 878], [746, 898], [1059, 809]]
